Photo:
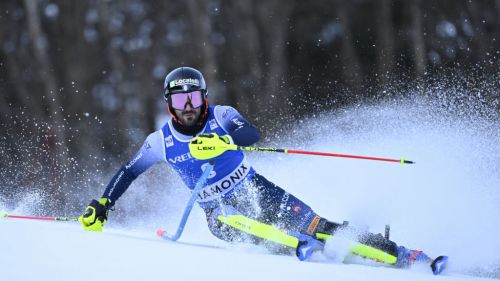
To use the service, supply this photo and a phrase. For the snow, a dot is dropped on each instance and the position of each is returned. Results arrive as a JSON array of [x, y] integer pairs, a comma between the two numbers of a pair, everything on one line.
[[447, 203], [36, 250]]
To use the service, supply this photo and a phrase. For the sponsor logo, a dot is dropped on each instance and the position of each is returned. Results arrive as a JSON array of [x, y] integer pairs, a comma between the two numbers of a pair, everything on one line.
[[296, 209], [169, 141], [188, 81], [180, 158], [213, 124], [284, 200], [313, 225], [226, 112], [116, 182], [225, 184], [205, 147], [147, 145], [212, 173], [131, 163], [237, 122]]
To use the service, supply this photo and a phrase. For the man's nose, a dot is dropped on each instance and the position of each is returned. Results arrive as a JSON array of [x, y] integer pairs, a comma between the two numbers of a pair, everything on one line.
[[188, 106]]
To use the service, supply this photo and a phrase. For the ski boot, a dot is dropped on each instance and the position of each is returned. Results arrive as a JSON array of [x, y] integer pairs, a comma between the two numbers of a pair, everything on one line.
[[439, 264], [307, 246], [407, 257]]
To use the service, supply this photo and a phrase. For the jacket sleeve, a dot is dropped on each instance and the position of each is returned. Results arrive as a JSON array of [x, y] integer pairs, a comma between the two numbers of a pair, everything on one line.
[[151, 152], [241, 131]]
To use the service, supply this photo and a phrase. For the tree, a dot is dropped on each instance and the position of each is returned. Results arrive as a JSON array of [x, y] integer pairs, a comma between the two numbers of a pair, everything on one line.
[[417, 37], [385, 57]]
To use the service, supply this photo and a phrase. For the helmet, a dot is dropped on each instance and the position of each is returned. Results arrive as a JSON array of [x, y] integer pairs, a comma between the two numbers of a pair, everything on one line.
[[182, 80]]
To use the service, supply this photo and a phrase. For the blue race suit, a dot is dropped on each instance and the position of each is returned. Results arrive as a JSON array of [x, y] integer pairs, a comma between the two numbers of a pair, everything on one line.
[[233, 186], [233, 182]]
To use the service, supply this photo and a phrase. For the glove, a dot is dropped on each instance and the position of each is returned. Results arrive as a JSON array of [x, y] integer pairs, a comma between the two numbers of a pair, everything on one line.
[[95, 215], [206, 146]]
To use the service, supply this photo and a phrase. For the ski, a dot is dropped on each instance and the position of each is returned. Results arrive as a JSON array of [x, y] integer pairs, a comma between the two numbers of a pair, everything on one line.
[[305, 245]]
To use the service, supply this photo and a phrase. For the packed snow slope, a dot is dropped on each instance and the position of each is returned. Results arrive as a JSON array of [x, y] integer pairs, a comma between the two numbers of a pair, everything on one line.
[[447, 203], [62, 251]]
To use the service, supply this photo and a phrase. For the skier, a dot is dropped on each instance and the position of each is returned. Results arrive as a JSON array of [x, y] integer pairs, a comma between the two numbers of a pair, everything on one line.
[[235, 195]]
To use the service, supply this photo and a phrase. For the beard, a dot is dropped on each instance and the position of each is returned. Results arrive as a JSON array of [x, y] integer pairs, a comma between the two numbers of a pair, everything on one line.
[[189, 117], [190, 121]]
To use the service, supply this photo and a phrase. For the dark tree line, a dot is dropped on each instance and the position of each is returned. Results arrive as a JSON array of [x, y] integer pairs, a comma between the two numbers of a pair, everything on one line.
[[81, 81]]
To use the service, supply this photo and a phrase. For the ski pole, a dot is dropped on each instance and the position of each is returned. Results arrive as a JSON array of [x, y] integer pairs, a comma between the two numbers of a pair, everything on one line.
[[5, 215], [199, 185], [294, 151]]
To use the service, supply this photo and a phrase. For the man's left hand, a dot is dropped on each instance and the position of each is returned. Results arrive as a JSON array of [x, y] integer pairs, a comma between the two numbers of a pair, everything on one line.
[[207, 146]]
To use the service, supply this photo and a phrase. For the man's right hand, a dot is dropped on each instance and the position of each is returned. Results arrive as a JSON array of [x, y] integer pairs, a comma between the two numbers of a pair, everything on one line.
[[207, 146], [95, 215]]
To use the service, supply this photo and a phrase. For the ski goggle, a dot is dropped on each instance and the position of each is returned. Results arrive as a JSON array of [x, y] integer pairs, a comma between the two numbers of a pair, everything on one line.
[[179, 100]]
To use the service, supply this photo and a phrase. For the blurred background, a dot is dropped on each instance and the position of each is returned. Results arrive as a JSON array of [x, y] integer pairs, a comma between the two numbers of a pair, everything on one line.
[[81, 81]]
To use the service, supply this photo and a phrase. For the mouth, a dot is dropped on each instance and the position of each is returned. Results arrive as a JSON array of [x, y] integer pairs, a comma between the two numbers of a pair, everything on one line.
[[188, 116]]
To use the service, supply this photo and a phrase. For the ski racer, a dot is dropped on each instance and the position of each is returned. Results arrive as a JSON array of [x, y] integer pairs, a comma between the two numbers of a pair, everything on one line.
[[240, 204]]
